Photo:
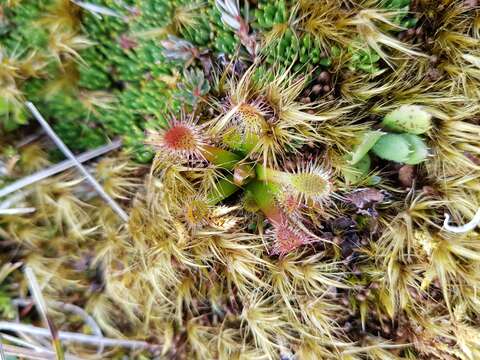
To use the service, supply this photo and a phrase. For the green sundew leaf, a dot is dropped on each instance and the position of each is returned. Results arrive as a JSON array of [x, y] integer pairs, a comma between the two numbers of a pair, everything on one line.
[[369, 139], [393, 147], [418, 147]]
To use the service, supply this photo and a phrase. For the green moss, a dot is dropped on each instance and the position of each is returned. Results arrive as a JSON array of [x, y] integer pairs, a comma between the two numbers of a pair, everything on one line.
[[7, 309], [270, 13], [23, 32], [402, 7], [363, 59], [12, 115], [298, 49], [80, 136]]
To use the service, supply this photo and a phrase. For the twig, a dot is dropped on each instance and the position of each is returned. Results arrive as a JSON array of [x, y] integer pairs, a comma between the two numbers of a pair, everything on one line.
[[33, 354], [122, 214], [17, 211], [14, 340], [97, 10], [2, 353], [77, 310], [472, 224], [12, 200], [67, 336], [55, 169], [42, 310], [27, 140]]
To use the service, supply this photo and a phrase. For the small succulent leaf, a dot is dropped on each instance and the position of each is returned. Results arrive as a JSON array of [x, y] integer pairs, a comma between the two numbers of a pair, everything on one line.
[[354, 173], [369, 139], [393, 147], [418, 147], [412, 119]]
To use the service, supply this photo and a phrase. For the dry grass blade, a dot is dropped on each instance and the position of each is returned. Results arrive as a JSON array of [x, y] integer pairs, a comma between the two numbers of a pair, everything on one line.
[[464, 228], [42, 309], [12, 350], [55, 169], [67, 336], [17, 211], [97, 10], [25, 343], [90, 321], [66, 151], [7, 269], [2, 353]]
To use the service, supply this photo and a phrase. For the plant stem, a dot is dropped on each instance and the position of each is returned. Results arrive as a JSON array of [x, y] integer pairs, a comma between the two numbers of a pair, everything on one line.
[[220, 157], [66, 151], [41, 307], [224, 188], [264, 195], [271, 176]]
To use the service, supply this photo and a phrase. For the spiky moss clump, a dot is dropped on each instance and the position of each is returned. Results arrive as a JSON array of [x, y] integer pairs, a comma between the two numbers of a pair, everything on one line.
[[40, 39], [395, 283], [352, 36], [284, 42], [21, 31], [60, 243]]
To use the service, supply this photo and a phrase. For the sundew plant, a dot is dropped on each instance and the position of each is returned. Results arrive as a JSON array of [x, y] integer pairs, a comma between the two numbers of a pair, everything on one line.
[[240, 179]]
